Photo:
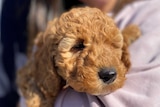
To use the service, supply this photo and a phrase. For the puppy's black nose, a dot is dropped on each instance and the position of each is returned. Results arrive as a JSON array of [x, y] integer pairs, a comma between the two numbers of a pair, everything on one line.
[[108, 75]]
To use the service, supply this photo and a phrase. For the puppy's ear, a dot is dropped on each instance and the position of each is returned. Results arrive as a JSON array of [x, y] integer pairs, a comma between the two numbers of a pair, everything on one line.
[[46, 77], [130, 34], [38, 80], [125, 55]]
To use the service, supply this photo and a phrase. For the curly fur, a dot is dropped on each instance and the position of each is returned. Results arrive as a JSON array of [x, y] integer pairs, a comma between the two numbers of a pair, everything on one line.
[[57, 61]]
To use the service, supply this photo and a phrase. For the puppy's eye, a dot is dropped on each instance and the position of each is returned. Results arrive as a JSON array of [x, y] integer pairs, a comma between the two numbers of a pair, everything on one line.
[[78, 47]]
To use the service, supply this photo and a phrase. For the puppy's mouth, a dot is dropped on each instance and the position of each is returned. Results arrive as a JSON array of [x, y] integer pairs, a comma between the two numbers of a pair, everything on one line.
[[100, 85]]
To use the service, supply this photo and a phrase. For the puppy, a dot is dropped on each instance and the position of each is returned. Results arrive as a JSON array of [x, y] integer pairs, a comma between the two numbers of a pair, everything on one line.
[[82, 49]]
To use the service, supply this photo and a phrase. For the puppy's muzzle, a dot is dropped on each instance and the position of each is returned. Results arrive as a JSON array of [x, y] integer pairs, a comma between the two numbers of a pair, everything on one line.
[[107, 75]]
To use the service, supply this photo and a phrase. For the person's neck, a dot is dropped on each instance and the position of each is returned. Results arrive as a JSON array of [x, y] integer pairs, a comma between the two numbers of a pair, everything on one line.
[[120, 5], [109, 6]]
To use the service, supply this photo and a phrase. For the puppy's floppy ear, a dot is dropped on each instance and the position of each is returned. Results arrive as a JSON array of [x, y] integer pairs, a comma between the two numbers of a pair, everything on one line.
[[130, 34], [46, 75], [125, 55], [122, 43], [38, 80]]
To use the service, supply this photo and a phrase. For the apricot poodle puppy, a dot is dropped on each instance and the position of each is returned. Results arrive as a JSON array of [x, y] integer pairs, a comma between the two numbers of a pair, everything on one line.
[[82, 49]]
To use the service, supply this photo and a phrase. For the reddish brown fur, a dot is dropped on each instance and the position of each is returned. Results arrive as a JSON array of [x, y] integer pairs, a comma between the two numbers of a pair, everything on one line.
[[55, 59]]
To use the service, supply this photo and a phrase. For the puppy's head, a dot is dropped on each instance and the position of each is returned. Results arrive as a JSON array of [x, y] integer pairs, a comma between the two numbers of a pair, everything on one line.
[[87, 51]]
